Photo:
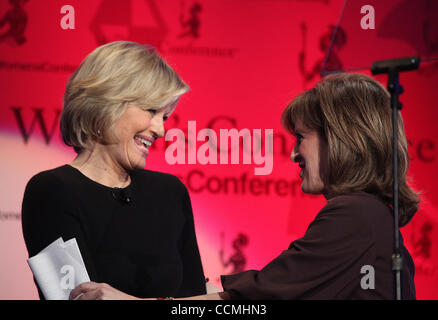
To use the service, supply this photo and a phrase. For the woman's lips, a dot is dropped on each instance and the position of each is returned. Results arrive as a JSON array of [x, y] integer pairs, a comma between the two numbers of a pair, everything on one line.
[[151, 140], [141, 147], [138, 142], [143, 143], [302, 166]]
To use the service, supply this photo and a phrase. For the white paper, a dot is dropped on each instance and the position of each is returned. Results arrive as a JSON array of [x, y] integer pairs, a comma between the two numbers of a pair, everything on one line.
[[210, 288], [58, 269]]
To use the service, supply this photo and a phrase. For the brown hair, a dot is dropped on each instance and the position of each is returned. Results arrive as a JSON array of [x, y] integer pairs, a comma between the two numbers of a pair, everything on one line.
[[111, 78], [352, 113]]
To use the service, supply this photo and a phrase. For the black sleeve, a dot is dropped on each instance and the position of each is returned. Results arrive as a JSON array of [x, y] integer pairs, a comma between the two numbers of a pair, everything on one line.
[[320, 265], [193, 274], [47, 214]]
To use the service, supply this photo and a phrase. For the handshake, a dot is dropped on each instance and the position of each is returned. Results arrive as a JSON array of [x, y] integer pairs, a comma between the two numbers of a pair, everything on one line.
[[60, 273]]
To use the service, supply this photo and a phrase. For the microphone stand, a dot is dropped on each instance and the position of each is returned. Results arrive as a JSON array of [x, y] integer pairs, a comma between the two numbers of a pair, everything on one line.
[[393, 68]]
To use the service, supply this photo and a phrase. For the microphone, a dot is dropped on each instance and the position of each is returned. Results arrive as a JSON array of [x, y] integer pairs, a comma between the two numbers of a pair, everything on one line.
[[125, 196], [122, 195], [402, 64]]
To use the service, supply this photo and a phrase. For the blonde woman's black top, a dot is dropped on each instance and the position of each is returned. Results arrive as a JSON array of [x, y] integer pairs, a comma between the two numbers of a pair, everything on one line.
[[139, 239]]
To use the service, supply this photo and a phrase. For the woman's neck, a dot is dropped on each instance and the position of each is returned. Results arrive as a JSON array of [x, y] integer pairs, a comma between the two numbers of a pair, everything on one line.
[[100, 167]]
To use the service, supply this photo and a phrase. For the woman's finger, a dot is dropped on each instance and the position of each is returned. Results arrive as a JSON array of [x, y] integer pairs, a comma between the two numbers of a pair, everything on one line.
[[90, 295], [83, 288]]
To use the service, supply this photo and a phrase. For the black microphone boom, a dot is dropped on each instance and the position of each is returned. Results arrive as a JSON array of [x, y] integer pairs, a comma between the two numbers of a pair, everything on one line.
[[392, 68], [402, 64]]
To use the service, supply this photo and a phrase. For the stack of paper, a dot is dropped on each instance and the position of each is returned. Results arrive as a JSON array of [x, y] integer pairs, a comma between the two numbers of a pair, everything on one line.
[[58, 269]]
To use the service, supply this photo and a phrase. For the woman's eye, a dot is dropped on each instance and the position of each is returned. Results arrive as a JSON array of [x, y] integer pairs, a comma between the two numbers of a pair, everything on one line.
[[153, 112], [299, 138]]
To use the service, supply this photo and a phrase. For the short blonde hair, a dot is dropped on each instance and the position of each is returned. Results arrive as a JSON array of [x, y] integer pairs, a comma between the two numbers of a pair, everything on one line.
[[352, 113], [111, 77]]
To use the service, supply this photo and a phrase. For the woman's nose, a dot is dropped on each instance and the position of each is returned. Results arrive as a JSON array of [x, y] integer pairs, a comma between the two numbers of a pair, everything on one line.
[[294, 154], [157, 127]]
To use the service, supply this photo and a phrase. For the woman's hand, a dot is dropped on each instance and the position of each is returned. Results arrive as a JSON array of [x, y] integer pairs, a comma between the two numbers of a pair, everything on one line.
[[98, 291]]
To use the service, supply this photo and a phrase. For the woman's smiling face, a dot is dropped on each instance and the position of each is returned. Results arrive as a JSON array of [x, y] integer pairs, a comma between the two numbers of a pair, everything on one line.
[[134, 133], [310, 152]]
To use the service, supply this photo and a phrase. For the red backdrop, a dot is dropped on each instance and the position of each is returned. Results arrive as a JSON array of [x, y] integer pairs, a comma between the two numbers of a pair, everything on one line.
[[241, 59]]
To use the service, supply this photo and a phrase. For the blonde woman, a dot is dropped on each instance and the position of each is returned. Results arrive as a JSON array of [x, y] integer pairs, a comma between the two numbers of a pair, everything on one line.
[[343, 146], [134, 227]]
